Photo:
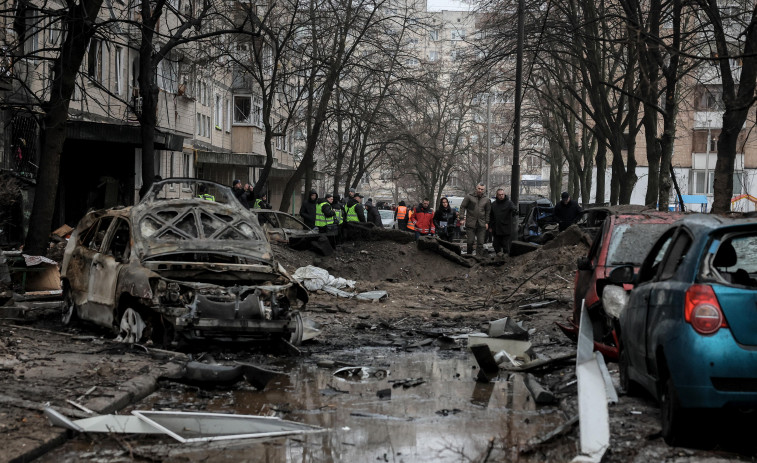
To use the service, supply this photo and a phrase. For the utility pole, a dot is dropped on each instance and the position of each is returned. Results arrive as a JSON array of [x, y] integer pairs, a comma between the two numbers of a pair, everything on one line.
[[515, 178], [488, 142]]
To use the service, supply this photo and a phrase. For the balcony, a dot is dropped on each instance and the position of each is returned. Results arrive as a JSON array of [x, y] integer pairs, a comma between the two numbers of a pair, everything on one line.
[[701, 119]]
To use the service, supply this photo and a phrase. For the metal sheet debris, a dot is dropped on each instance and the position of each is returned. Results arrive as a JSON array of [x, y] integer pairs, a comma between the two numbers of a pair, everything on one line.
[[592, 395], [185, 427]]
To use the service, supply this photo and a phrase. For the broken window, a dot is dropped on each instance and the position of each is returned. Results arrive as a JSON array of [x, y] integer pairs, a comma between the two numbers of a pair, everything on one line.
[[242, 109], [94, 236], [119, 243]]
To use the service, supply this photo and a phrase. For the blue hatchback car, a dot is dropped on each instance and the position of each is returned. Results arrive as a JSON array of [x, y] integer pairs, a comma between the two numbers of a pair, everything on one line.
[[688, 333]]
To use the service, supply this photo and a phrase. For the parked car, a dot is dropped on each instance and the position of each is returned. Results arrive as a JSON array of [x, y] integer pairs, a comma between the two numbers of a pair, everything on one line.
[[525, 202], [688, 333], [179, 267], [537, 220], [623, 239], [387, 218], [283, 227]]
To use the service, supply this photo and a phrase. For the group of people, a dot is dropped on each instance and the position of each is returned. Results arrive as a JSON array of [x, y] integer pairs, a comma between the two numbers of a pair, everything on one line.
[[245, 194], [330, 212], [477, 215]]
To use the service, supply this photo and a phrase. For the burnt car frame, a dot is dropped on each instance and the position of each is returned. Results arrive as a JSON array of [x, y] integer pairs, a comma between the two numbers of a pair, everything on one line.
[[191, 269]]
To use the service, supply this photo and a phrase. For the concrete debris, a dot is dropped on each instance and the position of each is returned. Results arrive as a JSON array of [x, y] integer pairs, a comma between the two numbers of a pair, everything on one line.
[[540, 394], [507, 328], [361, 373]]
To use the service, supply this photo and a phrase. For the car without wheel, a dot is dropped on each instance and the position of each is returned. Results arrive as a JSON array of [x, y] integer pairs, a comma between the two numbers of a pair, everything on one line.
[[178, 267]]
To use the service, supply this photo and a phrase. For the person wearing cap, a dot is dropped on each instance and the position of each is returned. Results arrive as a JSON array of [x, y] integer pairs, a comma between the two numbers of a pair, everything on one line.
[[567, 211], [202, 193], [241, 193], [351, 194], [354, 210], [307, 210], [338, 207], [262, 202]]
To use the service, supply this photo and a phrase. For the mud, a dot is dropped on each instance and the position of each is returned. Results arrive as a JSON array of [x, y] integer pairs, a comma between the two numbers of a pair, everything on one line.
[[442, 415]]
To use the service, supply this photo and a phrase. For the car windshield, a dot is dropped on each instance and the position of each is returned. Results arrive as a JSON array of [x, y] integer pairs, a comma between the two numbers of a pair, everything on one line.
[[172, 189], [630, 243], [385, 214]]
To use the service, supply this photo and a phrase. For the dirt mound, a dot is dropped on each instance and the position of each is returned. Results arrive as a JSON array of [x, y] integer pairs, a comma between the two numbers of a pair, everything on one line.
[[375, 261], [571, 236]]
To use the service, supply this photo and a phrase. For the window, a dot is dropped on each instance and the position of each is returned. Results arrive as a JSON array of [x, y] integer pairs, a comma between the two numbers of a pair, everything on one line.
[[31, 41], [411, 62], [119, 77], [199, 124], [187, 165], [219, 113], [95, 60], [676, 255], [242, 109], [55, 31], [433, 55], [453, 55], [228, 115], [698, 181], [433, 35], [168, 75], [457, 34]]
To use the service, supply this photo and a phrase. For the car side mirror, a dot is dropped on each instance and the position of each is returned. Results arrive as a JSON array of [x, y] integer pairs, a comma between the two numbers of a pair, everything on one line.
[[622, 275], [583, 263]]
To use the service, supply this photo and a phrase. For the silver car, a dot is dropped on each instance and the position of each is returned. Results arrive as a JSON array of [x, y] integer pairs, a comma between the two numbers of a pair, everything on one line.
[[178, 267]]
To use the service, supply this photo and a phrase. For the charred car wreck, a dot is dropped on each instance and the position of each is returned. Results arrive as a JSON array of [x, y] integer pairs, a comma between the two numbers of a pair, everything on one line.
[[177, 266]]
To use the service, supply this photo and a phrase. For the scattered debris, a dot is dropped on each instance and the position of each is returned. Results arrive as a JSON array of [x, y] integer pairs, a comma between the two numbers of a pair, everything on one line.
[[537, 441], [535, 305], [540, 394], [361, 373], [407, 383], [384, 394], [507, 328], [214, 374], [449, 251], [185, 427]]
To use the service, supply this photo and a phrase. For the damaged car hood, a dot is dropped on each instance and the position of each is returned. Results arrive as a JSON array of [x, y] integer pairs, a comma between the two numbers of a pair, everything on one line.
[[197, 226]]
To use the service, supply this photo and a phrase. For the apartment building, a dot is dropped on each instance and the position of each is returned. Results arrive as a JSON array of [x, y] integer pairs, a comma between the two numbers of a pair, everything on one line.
[[206, 125]]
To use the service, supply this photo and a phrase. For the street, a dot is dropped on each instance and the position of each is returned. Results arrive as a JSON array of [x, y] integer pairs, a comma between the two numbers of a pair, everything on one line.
[[419, 399]]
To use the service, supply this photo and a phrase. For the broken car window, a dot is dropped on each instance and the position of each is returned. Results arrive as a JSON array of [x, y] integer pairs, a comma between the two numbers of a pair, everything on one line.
[[120, 240], [630, 243], [95, 235]]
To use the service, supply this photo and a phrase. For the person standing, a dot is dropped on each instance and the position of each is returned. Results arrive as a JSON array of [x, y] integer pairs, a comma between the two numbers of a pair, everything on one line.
[[444, 220], [401, 216], [241, 193], [567, 211], [339, 215], [262, 202], [474, 211], [501, 217], [325, 218], [307, 210], [202, 191], [373, 215], [354, 210], [423, 219]]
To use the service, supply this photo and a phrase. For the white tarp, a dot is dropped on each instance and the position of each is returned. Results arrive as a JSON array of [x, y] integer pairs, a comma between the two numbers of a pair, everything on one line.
[[315, 278]]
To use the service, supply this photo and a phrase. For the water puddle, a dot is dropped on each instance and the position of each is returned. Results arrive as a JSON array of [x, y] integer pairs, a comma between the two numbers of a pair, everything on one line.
[[420, 406]]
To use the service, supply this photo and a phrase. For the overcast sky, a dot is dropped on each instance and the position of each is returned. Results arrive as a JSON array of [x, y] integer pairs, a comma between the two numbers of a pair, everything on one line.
[[451, 5]]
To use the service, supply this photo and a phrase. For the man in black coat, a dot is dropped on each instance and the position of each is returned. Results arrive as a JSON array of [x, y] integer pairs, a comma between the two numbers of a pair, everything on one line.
[[567, 211], [374, 216], [307, 210], [241, 193], [501, 217]]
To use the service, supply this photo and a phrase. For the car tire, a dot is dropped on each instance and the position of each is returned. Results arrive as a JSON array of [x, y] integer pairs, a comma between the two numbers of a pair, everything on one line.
[[675, 420], [628, 386], [299, 329], [69, 309]]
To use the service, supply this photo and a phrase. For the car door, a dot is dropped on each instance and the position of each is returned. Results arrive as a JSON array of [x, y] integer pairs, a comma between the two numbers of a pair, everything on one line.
[[634, 318], [103, 276], [89, 243], [585, 280], [666, 296]]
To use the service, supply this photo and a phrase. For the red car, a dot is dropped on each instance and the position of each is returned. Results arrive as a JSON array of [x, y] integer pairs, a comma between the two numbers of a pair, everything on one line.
[[623, 239]]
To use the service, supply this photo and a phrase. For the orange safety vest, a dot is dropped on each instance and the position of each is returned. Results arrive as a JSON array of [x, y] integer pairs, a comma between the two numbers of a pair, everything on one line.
[[401, 212], [410, 224]]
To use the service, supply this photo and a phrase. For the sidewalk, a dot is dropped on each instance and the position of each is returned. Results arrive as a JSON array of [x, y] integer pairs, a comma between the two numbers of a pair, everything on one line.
[[39, 366]]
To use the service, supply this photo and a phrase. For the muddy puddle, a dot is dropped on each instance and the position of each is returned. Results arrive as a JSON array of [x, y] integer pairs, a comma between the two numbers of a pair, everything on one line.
[[420, 406]]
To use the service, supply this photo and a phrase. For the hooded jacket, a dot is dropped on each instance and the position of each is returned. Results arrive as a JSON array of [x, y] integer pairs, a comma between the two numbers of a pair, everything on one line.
[[307, 210]]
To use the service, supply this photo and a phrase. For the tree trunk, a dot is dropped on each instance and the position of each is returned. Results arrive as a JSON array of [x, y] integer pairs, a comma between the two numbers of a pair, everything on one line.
[[66, 66], [601, 162], [653, 156], [149, 92]]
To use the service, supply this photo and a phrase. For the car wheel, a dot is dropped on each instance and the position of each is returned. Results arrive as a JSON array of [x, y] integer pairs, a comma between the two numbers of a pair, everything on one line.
[[627, 386], [299, 329], [68, 311], [675, 419]]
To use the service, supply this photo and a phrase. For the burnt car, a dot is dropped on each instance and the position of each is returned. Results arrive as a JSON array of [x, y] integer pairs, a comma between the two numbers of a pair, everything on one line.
[[177, 267], [283, 227], [623, 239]]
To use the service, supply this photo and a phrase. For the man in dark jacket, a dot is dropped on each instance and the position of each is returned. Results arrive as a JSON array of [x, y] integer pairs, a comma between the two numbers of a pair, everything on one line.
[[567, 211], [501, 217], [354, 210], [242, 193], [307, 210], [374, 216]]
